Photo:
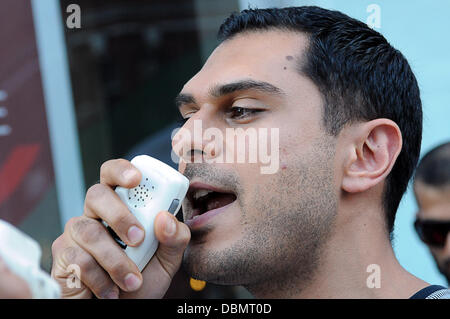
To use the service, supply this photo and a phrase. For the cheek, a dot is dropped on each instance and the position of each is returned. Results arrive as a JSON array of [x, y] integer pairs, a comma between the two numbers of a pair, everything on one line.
[[287, 153], [261, 194], [258, 186], [283, 158]]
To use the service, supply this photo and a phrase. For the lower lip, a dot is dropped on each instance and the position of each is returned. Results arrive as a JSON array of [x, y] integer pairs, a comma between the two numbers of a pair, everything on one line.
[[204, 218]]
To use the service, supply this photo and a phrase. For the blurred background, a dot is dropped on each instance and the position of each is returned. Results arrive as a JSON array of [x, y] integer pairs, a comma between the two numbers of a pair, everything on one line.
[[75, 95]]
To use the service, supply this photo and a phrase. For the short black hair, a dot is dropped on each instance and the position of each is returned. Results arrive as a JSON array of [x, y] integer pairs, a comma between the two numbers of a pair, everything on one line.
[[434, 167], [359, 74]]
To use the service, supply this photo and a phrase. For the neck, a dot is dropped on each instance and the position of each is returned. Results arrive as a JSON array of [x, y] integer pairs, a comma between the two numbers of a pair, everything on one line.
[[357, 261]]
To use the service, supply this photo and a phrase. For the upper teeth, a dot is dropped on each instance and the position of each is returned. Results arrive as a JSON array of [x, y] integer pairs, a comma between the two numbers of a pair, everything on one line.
[[200, 193]]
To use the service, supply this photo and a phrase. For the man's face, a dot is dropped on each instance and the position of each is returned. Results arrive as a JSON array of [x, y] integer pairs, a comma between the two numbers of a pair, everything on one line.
[[257, 227], [434, 204]]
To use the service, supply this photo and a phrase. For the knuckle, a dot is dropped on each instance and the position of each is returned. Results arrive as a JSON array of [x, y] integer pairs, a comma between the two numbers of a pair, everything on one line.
[[85, 262], [69, 224], [86, 230], [69, 255], [104, 166], [121, 219], [75, 256], [56, 245], [119, 164], [118, 269], [111, 171], [94, 192]]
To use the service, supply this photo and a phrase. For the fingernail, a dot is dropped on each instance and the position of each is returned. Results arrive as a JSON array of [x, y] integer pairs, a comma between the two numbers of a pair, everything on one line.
[[132, 282], [171, 227], [135, 234], [129, 174]]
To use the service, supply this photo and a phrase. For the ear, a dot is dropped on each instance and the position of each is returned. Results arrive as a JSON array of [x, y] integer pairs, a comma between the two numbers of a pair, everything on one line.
[[375, 146]]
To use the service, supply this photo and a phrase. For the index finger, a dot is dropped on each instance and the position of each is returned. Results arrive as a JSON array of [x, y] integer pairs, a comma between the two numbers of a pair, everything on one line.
[[119, 172]]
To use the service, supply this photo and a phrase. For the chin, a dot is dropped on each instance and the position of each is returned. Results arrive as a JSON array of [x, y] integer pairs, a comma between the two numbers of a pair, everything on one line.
[[194, 264], [201, 264]]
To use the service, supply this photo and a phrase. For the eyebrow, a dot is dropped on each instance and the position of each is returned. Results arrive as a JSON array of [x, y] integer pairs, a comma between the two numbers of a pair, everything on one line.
[[184, 98], [226, 89]]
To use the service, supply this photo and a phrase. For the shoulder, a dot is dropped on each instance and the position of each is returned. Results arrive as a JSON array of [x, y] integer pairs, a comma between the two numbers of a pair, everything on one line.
[[440, 294], [432, 292]]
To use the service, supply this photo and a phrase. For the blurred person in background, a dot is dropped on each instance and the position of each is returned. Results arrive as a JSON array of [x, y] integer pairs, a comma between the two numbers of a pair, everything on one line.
[[349, 114], [432, 193]]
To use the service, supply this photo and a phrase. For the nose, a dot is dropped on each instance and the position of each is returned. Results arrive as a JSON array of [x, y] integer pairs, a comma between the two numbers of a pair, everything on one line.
[[193, 143]]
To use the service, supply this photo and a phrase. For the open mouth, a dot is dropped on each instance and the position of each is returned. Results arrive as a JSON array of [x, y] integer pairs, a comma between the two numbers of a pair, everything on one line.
[[205, 198]]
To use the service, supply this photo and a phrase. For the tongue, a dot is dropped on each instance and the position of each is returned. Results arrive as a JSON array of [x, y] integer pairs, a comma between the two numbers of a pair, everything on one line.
[[217, 200]]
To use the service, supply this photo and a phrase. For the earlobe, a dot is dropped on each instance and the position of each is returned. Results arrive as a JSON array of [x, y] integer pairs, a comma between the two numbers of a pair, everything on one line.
[[375, 147]]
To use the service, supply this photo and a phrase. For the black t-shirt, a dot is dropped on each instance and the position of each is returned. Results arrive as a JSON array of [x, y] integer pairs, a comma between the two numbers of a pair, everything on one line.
[[432, 292]]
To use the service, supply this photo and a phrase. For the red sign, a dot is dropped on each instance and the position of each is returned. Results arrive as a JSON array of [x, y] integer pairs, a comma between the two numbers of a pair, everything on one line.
[[26, 169]]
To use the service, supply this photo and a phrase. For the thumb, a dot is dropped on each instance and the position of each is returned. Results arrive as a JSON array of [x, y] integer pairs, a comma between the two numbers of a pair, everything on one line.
[[173, 237]]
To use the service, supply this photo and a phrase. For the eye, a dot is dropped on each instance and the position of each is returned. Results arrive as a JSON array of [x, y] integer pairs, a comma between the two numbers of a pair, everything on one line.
[[184, 118], [238, 112]]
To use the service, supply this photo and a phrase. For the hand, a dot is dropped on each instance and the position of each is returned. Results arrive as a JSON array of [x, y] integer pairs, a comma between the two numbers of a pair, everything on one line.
[[104, 269], [12, 286]]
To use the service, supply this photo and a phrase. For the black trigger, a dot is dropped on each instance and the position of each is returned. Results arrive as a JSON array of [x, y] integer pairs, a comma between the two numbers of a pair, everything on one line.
[[116, 238]]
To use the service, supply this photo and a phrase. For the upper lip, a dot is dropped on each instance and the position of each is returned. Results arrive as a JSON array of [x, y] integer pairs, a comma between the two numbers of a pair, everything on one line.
[[196, 186]]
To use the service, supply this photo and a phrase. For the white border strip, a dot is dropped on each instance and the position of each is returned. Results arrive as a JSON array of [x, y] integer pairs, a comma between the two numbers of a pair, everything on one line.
[[61, 121]]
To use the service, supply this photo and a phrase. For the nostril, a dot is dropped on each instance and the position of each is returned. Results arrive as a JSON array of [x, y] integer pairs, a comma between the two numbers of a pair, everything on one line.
[[195, 155]]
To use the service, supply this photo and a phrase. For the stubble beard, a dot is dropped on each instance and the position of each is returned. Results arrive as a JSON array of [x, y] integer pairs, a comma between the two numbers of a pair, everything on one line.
[[280, 249]]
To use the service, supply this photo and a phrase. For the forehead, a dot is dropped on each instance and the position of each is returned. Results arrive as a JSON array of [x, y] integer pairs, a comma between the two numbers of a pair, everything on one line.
[[271, 56]]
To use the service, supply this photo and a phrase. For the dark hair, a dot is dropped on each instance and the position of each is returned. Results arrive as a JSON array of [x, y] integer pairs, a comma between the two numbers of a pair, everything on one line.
[[434, 167], [359, 74]]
